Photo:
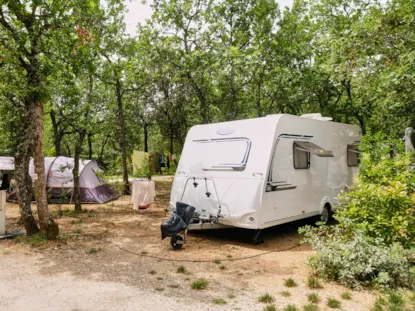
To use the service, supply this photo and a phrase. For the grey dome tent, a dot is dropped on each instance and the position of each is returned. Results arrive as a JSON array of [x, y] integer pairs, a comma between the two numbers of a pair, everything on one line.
[[59, 181]]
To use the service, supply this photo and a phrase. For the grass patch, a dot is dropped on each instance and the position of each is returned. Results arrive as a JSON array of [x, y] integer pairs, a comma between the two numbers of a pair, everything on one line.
[[152, 272], [229, 256], [285, 293], [231, 296], [290, 283], [222, 267], [181, 269], [35, 240], [291, 307], [159, 278], [310, 307], [77, 231], [270, 308], [219, 301], [159, 289], [173, 286], [333, 303], [200, 284], [346, 296], [313, 298], [93, 251], [144, 253], [266, 298], [216, 261], [314, 283]]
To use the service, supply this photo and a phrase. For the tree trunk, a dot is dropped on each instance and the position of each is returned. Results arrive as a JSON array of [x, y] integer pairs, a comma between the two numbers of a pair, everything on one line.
[[46, 223], [24, 186], [57, 137], [145, 137], [121, 121], [90, 146], [76, 189], [171, 138]]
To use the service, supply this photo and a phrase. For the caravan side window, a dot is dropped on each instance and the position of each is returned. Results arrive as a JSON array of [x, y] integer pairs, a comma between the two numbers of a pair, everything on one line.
[[301, 157], [352, 155]]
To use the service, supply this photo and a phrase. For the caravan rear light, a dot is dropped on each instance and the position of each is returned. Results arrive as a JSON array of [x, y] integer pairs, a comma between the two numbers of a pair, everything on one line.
[[251, 219]]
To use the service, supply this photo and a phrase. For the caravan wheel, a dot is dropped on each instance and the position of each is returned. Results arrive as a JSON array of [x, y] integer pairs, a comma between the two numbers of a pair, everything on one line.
[[176, 242], [325, 215]]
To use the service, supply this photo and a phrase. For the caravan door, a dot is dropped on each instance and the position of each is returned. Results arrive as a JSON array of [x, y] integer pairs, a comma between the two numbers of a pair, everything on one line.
[[281, 198]]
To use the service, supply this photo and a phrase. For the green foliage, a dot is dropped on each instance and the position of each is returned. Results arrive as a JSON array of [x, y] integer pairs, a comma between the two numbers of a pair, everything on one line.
[[333, 303], [353, 259], [285, 293], [371, 245], [219, 301], [291, 307], [391, 301], [310, 307], [313, 298], [270, 308], [92, 251], [382, 199], [290, 282], [181, 269], [346, 296], [200, 284], [313, 282], [266, 298]]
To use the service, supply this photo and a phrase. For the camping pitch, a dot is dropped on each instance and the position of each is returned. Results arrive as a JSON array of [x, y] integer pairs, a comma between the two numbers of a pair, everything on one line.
[[59, 181]]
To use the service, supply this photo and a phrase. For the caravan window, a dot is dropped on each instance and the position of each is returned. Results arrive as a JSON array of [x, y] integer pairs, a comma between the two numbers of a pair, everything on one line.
[[301, 157], [353, 155], [224, 153]]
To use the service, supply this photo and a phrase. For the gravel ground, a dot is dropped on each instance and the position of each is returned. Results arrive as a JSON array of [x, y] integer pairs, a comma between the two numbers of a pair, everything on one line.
[[24, 287]]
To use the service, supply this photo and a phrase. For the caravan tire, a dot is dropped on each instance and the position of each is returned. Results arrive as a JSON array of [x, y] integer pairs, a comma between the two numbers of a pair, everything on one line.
[[174, 242], [325, 214]]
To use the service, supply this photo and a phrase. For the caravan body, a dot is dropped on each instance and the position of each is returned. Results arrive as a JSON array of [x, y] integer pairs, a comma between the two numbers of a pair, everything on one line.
[[262, 172]]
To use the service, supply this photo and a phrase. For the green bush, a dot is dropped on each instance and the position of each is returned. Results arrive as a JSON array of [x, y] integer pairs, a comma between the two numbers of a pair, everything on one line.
[[371, 245], [381, 201], [355, 260]]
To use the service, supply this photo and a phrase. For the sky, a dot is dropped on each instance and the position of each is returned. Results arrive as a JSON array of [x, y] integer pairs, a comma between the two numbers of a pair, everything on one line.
[[138, 12]]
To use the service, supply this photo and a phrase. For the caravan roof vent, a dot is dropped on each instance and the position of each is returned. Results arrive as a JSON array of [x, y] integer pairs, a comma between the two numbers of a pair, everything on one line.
[[316, 116]]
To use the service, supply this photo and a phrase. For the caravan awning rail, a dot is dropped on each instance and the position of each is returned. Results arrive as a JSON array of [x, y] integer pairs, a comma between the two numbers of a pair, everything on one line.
[[314, 149]]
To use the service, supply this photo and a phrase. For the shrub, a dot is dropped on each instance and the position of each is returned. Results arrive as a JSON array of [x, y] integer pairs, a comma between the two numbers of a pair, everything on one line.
[[333, 303], [355, 260], [314, 283], [346, 296], [181, 269], [291, 308], [285, 294], [290, 283], [270, 308], [313, 298], [391, 301], [200, 284], [382, 199], [310, 307], [266, 298]]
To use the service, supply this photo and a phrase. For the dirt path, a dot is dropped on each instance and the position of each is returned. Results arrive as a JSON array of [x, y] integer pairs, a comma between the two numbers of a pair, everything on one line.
[[110, 257], [23, 286]]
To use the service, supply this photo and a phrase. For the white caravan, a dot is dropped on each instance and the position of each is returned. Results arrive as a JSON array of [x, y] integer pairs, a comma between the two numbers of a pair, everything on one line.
[[263, 172]]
